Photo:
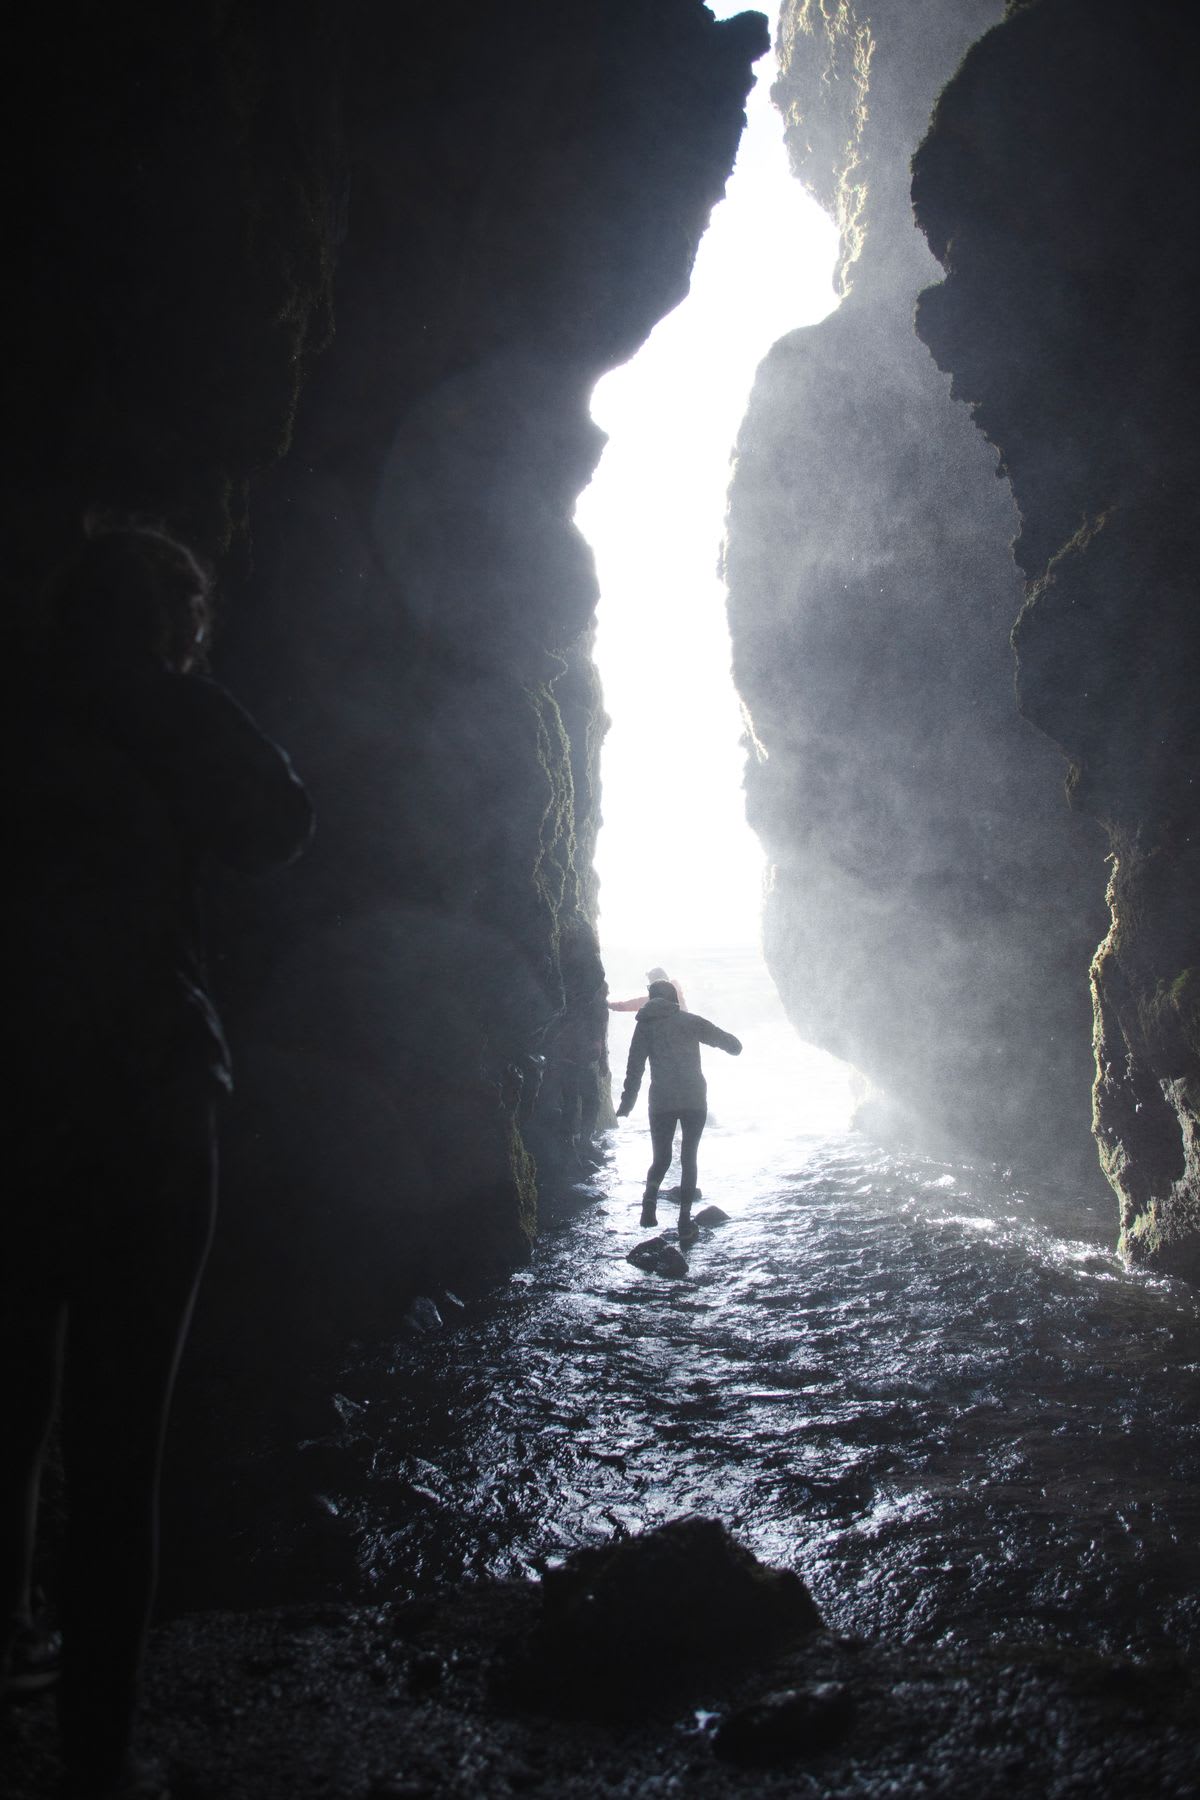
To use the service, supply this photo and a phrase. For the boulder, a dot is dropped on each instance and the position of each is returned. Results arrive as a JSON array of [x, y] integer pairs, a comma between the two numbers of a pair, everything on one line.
[[627, 1625], [659, 1256]]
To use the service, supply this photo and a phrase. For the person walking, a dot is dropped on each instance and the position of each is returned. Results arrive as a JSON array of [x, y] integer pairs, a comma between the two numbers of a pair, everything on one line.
[[669, 1039]]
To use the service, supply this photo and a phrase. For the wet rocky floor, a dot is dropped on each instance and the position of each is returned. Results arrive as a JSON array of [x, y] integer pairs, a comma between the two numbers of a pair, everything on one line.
[[396, 1704], [934, 1395], [937, 1397]]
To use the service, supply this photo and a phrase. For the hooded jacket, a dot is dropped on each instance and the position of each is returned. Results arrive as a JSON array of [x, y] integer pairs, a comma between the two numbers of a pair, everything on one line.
[[670, 1040]]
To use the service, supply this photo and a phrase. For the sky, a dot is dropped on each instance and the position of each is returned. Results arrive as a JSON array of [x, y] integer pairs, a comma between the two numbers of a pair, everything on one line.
[[679, 867]]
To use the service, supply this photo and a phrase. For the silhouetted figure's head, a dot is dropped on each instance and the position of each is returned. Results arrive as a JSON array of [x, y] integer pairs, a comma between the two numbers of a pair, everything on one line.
[[130, 593], [663, 990]]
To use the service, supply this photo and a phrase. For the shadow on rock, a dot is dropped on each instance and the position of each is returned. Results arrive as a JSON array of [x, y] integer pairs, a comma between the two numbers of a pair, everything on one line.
[[627, 1627]]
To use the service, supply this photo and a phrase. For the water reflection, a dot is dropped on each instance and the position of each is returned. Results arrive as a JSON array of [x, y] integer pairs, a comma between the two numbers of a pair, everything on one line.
[[940, 1398]]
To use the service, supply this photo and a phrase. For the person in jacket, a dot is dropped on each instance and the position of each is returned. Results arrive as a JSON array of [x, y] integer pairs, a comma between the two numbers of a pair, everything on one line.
[[639, 1000], [134, 772], [670, 1039]]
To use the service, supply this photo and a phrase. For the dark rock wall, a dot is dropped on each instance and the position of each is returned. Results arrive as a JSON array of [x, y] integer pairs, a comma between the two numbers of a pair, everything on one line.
[[326, 288], [172, 203], [1056, 187], [934, 902]]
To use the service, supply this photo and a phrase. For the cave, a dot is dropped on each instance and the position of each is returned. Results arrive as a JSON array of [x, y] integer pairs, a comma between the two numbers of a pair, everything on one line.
[[325, 292]]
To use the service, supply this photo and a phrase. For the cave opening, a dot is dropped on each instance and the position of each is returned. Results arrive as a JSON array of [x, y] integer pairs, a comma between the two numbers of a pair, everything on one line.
[[324, 290], [681, 871]]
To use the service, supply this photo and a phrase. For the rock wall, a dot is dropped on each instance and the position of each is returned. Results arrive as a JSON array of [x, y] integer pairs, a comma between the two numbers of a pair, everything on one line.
[[325, 288], [1056, 188], [933, 902]]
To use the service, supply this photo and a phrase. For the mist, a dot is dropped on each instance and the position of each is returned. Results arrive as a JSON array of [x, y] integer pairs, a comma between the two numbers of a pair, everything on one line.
[[934, 902], [858, 1453]]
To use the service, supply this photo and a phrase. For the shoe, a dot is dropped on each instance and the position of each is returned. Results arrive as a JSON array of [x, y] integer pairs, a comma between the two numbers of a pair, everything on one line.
[[34, 1661], [649, 1215], [689, 1231]]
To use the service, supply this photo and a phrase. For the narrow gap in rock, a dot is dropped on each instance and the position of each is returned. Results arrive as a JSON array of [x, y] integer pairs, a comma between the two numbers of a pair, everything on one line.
[[681, 871]]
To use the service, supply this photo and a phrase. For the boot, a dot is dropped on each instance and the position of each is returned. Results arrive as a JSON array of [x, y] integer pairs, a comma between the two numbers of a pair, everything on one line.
[[687, 1230], [649, 1208]]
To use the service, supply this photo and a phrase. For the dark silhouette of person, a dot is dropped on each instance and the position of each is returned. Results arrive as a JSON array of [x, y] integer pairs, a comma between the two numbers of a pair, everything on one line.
[[136, 769], [670, 1039]]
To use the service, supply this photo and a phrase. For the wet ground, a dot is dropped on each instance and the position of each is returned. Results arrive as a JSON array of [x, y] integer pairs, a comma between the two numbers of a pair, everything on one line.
[[937, 1397]]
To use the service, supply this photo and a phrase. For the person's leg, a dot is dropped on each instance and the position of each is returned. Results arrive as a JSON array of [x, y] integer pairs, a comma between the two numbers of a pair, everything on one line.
[[662, 1140], [141, 1249], [692, 1126]]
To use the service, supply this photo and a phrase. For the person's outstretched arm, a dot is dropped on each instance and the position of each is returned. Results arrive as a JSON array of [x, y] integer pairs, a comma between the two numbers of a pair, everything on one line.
[[628, 1005], [709, 1033], [634, 1069]]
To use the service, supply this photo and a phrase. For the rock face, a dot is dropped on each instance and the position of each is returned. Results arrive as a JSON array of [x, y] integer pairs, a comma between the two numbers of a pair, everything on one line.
[[934, 903], [1052, 187], [325, 288]]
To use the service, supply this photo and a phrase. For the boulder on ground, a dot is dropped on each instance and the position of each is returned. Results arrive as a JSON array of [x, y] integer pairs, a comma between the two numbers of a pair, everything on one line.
[[659, 1256], [421, 1317], [628, 1624]]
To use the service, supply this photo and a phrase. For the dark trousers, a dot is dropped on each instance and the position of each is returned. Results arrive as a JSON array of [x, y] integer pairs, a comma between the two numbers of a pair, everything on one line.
[[662, 1137], [106, 1236]]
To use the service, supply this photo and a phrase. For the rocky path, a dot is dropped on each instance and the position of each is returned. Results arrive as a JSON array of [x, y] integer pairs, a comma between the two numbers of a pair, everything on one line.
[[938, 1399]]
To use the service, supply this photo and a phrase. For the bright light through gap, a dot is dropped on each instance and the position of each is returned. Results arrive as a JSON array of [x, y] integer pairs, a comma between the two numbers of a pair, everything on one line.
[[681, 871]]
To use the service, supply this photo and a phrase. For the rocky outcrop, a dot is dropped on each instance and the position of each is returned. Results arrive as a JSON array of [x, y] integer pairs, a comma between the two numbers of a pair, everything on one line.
[[507, 1687], [1053, 187], [686, 1594], [326, 289], [933, 901]]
